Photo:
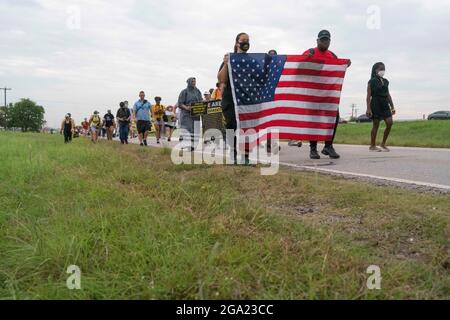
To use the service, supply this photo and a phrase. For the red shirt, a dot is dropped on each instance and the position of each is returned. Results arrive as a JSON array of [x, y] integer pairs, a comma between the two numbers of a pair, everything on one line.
[[319, 54]]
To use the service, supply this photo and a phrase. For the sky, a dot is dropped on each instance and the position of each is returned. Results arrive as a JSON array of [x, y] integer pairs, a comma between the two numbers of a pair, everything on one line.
[[80, 56]]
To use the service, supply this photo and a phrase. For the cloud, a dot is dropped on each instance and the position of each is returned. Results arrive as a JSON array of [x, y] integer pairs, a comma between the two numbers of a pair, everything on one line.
[[124, 46]]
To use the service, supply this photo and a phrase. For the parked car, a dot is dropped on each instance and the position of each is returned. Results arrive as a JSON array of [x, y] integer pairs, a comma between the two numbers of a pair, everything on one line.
[[440, 115], [363, 118], [342, 121]]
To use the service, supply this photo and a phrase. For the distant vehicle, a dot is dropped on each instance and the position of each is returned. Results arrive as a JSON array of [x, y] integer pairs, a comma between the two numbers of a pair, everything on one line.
[[363, 118], [342, 121], [440, 115]]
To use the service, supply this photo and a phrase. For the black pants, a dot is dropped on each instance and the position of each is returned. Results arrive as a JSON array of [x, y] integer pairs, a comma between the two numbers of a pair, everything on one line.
[[67, 136], [231, 124], [313, 144]]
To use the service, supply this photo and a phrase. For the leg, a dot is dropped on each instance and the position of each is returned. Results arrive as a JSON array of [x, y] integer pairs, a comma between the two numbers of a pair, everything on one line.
[[330, 143], [158, 132], [389, 122], [376, 126]]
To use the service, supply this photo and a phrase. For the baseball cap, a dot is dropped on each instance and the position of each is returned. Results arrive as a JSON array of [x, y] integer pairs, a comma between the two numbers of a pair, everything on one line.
[[324, 34]]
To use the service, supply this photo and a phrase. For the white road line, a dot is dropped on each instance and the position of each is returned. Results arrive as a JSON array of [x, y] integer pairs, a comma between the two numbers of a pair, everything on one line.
[[360, 175]]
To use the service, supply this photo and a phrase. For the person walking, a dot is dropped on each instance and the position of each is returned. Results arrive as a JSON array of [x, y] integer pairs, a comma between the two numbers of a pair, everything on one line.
[[95, 123], [322, 52], [241, 45], [123, 117], [158, 114], [187, 97], [169, 125], [380, 106], [67, 128], [141, 112], [108, 123], [85, 125]]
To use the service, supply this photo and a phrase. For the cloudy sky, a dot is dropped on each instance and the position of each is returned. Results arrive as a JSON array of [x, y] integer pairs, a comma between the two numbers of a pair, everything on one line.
[[77, 56]]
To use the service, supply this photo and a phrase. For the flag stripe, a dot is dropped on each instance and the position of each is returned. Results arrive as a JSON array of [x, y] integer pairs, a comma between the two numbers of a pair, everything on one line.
[[309, 92], [305, 98], [298, 58], [322, 80], [314, 66], [309, 85], [289, 121], [287, 112], [317, 73], [287, 104]]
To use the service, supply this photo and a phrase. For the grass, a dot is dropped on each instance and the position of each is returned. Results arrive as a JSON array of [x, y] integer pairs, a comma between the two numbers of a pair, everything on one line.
[[431, 134], [142, 228]]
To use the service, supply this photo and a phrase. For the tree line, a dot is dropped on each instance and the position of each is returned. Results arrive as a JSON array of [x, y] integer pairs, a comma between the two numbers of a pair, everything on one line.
[[25, 115]]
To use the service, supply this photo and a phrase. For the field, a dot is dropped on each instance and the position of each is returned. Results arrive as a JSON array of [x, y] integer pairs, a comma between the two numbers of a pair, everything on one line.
[[140, 227], [432, 134]]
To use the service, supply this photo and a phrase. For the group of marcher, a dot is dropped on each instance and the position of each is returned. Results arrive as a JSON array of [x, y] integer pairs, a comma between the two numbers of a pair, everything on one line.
[[380, 107]]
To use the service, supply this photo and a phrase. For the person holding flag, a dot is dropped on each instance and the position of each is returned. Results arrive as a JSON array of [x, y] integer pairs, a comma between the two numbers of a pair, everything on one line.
[[241, 45], [322, 52]]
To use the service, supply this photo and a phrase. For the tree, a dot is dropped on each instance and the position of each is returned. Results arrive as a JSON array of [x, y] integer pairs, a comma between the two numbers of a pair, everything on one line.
[[3, 119], [27, 115]]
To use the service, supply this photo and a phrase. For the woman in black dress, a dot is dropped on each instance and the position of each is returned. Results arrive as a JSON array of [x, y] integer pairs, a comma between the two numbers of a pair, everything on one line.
[[379, 105]]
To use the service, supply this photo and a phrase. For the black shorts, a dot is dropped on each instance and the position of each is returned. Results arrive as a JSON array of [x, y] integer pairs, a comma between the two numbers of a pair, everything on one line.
[[143, 126]]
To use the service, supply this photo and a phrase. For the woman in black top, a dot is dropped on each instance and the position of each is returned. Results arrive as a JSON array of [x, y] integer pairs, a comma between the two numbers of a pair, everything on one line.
[[379, 105], [241, 45]]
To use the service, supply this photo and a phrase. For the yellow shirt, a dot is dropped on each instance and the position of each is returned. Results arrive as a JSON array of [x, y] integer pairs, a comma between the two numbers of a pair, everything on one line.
[[158, 112]]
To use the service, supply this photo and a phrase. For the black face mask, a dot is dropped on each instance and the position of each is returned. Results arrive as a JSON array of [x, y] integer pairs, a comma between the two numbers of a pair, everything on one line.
[[244, 46]]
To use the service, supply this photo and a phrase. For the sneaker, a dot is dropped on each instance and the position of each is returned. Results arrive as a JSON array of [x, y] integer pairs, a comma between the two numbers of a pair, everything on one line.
[[329, 151], [145, 143], [168, 140], [157, 142], [314, 154], [142, 144]]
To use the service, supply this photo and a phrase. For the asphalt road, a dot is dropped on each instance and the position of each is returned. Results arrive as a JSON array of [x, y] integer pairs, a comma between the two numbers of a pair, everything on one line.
[[415, 167]]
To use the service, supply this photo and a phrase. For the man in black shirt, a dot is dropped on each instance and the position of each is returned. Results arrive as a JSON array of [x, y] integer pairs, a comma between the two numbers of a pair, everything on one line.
[[124, 118], [108, 122]]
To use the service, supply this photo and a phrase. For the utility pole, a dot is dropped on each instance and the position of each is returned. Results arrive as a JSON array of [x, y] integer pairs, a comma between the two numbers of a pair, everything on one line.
[[354, 111], [5, 89]]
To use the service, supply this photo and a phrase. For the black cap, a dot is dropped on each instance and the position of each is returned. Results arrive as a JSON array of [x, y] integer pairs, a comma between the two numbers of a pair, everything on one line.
[[324, 34]]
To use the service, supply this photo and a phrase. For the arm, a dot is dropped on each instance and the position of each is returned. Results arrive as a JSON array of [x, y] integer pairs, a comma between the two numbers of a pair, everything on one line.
[[181, 102], [391, 103], [222, 76], [368, 101]]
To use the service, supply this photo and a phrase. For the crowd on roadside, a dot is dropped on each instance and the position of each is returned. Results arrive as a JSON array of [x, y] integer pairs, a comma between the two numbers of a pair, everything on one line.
[[140, 119], [144, 117]]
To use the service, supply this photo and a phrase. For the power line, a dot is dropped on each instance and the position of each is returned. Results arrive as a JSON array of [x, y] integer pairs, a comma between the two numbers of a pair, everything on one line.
[[5, 89]]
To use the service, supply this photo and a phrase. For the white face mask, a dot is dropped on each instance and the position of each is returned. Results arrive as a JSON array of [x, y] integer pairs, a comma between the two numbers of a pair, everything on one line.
[[381, 73]]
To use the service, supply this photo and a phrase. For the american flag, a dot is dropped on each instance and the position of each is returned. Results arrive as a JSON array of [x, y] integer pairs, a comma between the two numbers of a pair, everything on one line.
[[296, 95]]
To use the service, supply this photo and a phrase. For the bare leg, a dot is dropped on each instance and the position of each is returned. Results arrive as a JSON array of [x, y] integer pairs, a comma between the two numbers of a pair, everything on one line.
[[376, 126], [389, 122]]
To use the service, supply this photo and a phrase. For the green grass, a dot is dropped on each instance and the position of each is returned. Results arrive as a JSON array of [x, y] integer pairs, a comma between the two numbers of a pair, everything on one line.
[[142, 228], [431, 134]]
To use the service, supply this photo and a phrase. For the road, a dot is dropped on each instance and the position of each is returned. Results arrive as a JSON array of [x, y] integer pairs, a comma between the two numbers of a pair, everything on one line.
[[422, 168]]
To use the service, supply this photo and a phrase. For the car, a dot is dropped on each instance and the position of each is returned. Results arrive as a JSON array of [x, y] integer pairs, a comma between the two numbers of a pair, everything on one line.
[[440, 115], [363, 118]]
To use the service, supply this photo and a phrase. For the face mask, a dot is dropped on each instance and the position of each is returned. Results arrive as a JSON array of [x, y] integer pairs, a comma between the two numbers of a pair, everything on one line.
[[381, 73], [244, 46]]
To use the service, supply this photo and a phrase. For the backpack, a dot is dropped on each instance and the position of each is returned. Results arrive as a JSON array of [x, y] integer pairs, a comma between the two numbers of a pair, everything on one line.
[[312, 51]]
